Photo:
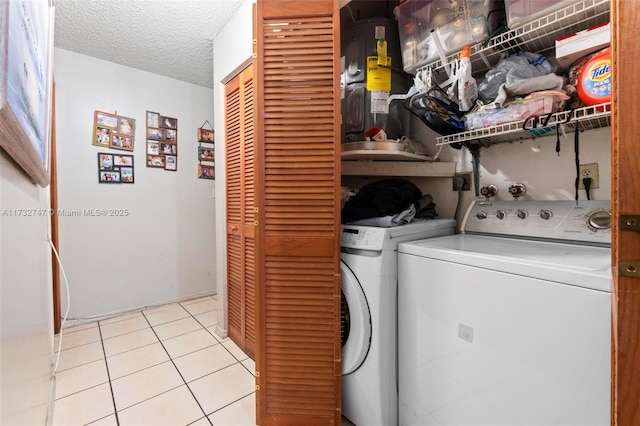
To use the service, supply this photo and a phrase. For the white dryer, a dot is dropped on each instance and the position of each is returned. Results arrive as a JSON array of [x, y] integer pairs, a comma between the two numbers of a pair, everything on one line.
[[369, 278], [510, 322]]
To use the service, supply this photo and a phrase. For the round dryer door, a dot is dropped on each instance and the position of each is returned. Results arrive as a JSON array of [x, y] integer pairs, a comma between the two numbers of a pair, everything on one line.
[[356, 321]]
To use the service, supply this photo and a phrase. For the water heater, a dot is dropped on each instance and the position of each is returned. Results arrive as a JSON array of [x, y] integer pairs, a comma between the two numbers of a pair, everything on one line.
[[369, 78]]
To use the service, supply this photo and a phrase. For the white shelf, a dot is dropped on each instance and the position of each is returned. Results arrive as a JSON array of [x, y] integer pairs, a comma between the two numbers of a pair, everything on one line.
[[369, 154], [398, 168], [538, 36], [587, 118]]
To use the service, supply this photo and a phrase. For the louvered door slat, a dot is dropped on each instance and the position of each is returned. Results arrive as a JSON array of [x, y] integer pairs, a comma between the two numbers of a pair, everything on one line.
[[298, 156], [248, 160]]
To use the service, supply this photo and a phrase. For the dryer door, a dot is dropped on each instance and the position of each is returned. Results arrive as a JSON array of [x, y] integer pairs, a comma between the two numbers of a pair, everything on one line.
[[356, 321]]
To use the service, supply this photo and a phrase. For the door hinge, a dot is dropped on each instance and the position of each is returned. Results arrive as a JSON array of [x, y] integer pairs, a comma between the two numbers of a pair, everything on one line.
[[629, 222], [255, 223], [629, 268]]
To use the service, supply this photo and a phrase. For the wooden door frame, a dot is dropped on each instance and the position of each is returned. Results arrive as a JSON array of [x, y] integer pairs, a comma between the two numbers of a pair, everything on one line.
[[53, 205], [625, 198]]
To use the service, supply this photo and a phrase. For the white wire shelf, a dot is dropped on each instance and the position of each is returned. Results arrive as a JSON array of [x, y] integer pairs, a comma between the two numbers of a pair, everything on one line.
[[538, 36], [586, 118]]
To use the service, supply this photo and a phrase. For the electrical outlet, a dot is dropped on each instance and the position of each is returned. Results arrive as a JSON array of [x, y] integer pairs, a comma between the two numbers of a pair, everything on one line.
[[589, 170], [466, 181]]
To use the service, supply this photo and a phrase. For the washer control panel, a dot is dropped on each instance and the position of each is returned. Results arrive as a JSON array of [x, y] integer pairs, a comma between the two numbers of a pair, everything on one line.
[[362, 237], [586, 221]]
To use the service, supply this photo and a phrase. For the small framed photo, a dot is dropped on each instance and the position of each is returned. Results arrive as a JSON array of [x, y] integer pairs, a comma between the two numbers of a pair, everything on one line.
[[105, 119], [156, 134], [153, 119], [121, 142], [153, 147], [110, 176], [101, 135], [168, 122], [205, 154], [126, 126], [171, 135], [168, 148], [126, 174], [155, 161], [205, 135], [206, 172], [123, 160], [171, 162], [105, 161]]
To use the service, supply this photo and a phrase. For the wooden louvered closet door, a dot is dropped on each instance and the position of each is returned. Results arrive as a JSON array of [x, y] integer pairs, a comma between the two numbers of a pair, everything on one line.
[[298, 362], [239, 115]]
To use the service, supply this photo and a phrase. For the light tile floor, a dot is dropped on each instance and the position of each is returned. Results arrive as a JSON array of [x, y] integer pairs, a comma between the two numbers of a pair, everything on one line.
[[159, 366]]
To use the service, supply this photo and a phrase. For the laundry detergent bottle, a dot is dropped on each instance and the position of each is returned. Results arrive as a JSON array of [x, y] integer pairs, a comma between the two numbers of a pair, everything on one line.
[[594, 82]]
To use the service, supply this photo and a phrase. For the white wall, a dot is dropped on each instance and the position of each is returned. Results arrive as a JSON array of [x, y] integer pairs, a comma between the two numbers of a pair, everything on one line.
[[26, 317], [534, 162], [231, 48], [164, 249]]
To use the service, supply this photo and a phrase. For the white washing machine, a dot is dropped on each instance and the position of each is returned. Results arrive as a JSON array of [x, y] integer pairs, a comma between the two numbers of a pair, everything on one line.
[[510, 322], [369, 278]]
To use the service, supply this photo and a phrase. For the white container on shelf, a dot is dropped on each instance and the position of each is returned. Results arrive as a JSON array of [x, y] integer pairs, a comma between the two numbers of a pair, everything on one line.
[[519, 12], [458, 24], [571, 48]]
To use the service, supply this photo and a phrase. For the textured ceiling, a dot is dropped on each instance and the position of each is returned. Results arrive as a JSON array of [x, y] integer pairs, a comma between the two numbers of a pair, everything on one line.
[[173, 38]]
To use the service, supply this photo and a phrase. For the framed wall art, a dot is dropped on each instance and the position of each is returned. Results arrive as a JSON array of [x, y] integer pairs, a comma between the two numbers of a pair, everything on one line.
[[162, 141], [171, 162], [155, 161], [109, 176], [105, 119], [153, 119], [101, 135], [206, 135], [153, 147], [206, 172], [206, 152], [115, 168], [113, 131], [168, 122], [26, 31]]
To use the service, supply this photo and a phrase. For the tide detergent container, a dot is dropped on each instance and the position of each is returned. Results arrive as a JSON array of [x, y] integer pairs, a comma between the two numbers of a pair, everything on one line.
[[594, 81]]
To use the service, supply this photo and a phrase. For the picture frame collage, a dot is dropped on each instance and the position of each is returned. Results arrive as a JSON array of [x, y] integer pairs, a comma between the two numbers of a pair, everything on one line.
[[162, 141], [115, 168], [113, 131], [206, 153], [117, 132]]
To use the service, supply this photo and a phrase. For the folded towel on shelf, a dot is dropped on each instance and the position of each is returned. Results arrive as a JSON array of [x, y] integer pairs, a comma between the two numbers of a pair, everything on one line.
[[507, 92]]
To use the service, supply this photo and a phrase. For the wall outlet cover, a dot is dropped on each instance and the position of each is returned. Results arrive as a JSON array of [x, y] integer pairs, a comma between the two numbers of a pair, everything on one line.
[[589, 170]]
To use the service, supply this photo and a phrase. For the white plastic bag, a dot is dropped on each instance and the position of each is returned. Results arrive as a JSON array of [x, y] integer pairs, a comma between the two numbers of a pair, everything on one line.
[[519, 66]]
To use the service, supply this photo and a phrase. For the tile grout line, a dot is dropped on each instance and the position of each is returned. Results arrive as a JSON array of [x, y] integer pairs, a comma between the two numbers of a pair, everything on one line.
[[176, 367], [113, 399], [220, 342], [230, 353]]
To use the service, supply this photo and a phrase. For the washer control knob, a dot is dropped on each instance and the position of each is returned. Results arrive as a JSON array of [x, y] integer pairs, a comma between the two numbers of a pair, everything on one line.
[[545, 214], [522, 214], [600, 219], [501, 214], [481, 215]]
